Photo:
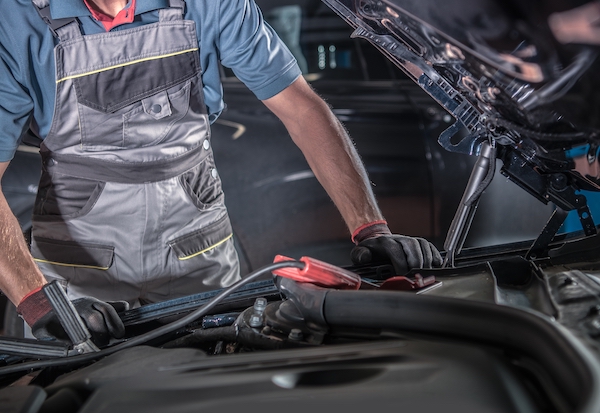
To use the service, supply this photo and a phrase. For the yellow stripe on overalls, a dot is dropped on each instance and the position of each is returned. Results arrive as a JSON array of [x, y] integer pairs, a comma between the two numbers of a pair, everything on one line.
[[62, 264], [133, 62], [204, 250]]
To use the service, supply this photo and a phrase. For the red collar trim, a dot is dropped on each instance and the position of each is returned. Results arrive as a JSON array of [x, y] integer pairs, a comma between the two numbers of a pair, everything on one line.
[[124, 16]]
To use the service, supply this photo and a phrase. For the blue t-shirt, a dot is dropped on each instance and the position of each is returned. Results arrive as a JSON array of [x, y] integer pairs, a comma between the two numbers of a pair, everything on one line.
[[231, 32]]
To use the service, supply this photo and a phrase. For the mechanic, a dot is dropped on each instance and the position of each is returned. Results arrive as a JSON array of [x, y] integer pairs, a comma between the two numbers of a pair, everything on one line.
[[129, 206]]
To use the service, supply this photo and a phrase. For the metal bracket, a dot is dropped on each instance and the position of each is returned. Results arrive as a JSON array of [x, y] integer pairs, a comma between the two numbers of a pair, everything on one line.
[[540, 245]]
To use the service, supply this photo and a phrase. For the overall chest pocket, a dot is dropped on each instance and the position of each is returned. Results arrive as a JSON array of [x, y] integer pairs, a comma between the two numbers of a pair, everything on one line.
[[134, 104], [143, 123]]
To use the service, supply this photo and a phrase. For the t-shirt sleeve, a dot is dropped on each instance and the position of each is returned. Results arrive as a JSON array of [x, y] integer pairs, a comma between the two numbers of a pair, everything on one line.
[[15, 106], [252, 49]]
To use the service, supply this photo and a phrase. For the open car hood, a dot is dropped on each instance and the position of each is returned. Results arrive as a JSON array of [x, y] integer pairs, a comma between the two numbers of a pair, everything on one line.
[[495, 66], [517, 94]]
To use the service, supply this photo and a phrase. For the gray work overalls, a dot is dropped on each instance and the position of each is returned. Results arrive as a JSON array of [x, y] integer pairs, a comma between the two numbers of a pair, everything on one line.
[[130, 205]]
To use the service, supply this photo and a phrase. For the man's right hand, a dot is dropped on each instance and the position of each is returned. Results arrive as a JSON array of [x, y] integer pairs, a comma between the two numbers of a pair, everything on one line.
[[100, 318]]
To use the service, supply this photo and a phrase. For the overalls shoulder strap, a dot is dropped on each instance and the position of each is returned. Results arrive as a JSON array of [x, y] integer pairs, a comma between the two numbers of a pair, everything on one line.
[[174, 12], [60, 28], [69, 28]]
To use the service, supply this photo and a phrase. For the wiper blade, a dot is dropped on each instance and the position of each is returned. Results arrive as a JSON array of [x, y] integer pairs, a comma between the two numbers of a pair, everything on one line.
[[244, 297], [32, 348]]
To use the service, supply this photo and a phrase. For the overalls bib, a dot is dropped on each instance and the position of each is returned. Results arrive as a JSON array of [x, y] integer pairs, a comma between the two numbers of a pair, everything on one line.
[[130, 205]]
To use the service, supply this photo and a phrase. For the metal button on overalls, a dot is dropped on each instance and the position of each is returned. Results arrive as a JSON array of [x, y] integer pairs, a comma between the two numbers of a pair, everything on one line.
[[131, 207]]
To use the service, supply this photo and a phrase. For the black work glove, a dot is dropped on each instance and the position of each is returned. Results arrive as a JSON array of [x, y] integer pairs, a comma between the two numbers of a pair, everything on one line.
[[100, 318], [375, 243]]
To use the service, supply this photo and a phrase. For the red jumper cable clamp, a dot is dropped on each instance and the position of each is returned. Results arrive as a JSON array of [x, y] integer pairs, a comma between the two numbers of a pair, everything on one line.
[[327, 275], [319, 273]]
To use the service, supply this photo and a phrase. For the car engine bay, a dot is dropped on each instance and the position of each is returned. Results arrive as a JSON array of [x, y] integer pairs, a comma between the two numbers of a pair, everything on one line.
[[506, 328]]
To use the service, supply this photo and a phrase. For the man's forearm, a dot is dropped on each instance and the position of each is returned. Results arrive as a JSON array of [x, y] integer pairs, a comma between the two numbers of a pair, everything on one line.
[[332, 157], [18, 272], [329, 152]]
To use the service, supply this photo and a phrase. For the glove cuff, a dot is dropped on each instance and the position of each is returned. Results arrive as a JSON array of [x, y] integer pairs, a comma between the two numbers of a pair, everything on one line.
[[34, 306], [370, 230]]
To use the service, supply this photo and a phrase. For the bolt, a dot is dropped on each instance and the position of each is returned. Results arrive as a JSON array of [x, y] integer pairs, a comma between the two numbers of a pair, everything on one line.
[[255, 321], [559, 182], [259, 305], [295, 334], [266, 330]]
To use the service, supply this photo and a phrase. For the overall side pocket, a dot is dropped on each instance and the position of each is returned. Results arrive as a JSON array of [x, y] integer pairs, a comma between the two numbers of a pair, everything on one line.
[[202, 184], [63, 197], [72, 253]]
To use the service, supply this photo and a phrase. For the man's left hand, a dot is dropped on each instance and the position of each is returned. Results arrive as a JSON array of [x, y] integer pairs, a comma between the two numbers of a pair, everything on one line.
[[404, 252], [375, 242]]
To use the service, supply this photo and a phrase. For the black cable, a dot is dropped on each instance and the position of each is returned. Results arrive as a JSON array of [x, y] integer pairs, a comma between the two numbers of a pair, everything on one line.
[[166, 329]]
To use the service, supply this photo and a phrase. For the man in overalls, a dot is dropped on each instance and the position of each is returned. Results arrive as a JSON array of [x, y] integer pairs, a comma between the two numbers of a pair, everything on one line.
[[129, 204]]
